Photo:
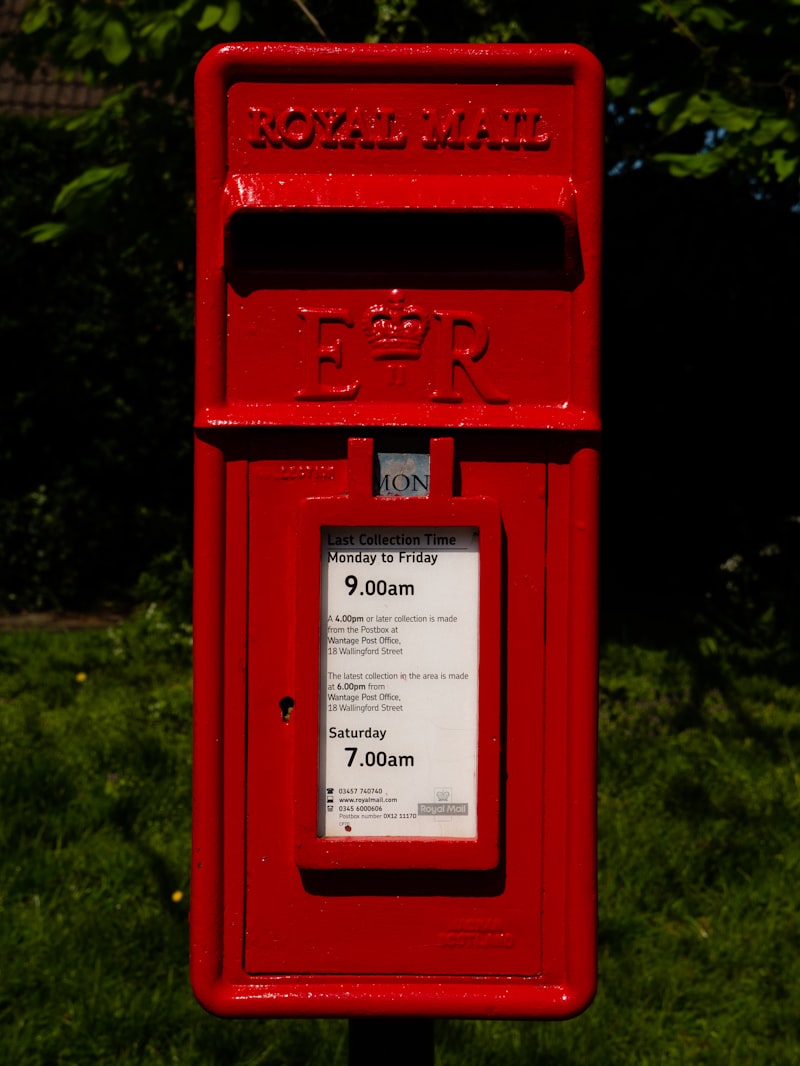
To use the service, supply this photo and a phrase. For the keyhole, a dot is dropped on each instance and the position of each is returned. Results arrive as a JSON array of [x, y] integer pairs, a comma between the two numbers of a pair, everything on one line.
[[286, 705]]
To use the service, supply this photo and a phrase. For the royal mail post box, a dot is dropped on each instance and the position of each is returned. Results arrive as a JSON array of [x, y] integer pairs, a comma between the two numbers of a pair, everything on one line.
[[396, 510]]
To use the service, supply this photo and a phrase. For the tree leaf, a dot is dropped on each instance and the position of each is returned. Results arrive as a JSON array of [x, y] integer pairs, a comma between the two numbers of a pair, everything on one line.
[[157, 32], [212, 13], [91, 181], [618, 86], [682, 165], [697, 110], [116, 44], [82, 45], [785, 165], [46, 231], [662, 104], [770, 129], [233, 13], [730, 116], [38, 15], [716, 17]]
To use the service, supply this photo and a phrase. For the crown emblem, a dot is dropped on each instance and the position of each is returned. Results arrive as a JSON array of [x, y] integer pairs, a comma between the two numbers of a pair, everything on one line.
[[395, 329]]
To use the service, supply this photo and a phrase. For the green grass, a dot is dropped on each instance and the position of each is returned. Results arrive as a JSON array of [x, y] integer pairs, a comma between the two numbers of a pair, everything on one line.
[[699, 809]]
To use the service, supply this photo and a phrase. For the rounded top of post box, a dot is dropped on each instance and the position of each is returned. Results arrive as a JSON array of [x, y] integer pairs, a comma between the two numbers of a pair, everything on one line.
[[434, 62]]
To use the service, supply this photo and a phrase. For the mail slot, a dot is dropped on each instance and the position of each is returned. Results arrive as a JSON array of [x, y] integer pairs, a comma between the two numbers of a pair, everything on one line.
[[397, 441]]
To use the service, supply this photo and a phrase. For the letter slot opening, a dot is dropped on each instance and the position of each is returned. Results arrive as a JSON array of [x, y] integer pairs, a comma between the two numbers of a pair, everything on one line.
[[512, 249]]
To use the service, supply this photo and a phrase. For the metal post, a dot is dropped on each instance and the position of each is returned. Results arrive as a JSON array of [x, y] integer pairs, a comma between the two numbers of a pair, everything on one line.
[[391, 1040]]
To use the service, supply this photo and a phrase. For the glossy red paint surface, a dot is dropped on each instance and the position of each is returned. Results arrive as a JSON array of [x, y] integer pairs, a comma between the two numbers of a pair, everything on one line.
[[398, 249]]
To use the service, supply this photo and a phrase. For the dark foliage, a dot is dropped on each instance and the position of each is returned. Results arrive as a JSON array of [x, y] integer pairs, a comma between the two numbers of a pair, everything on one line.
[[95, 408], [699, 315]]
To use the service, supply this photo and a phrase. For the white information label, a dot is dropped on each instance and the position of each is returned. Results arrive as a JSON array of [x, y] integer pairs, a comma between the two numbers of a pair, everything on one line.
[[399, 682]]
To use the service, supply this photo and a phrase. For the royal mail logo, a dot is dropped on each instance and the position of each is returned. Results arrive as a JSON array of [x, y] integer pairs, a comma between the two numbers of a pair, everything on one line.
[[299, 126], [443, 807], [397, 330], [442, 810]]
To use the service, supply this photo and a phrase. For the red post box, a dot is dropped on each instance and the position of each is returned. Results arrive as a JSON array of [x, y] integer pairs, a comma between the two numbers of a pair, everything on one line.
[[396, 510]]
